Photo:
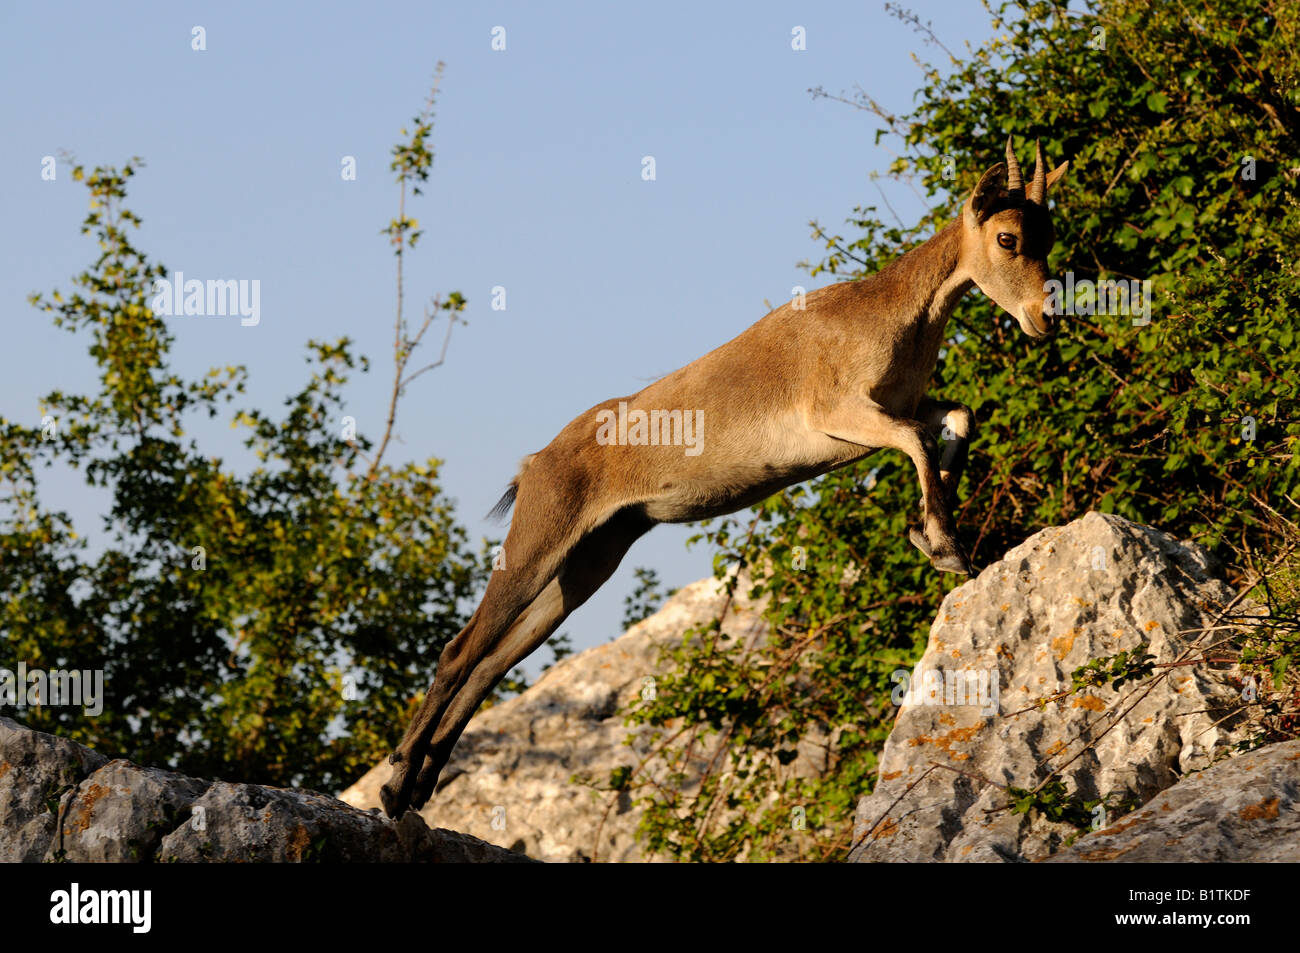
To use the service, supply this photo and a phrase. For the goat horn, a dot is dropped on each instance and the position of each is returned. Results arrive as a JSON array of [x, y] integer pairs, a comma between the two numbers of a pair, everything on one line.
[[1038, 185], [1014, 181]]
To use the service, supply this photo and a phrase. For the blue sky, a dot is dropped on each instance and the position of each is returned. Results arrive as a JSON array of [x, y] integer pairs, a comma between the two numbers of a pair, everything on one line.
[[611, 280]]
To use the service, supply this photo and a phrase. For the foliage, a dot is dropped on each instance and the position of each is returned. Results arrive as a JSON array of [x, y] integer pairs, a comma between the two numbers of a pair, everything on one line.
[[645, 600], [1114, 670], [276, 626], [1182, 127], [1054, 802], [1267, 647]]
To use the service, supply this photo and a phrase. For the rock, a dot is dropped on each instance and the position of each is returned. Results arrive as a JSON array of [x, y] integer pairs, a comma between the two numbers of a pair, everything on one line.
[[1099, 586], [62, 802], [510, 778], [279, 825], [121, 814], [1094, 588], [36, 770], [1243, 810]]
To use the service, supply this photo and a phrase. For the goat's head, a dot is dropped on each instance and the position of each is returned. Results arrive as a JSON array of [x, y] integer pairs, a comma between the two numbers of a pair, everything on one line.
[[1007, 233]]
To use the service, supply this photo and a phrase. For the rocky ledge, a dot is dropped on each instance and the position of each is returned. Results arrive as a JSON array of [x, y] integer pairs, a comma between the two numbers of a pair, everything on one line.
[[60, 801]]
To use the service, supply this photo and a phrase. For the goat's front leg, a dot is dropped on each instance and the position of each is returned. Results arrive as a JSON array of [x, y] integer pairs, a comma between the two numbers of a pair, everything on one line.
[[959, 423], [866, 423]]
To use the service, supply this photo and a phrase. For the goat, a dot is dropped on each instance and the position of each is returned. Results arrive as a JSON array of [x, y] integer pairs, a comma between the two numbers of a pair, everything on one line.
[[801, 393]]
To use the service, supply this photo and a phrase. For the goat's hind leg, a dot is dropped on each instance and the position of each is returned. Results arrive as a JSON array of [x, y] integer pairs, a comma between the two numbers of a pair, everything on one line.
[[534, 552], [591, 562]]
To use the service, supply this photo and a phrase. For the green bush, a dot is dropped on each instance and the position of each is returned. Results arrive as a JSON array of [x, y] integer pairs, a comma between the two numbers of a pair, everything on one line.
[[1183, 132], [277, 626]]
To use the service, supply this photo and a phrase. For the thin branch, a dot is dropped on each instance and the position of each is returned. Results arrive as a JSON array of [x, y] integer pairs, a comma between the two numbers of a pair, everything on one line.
[[906, 792]]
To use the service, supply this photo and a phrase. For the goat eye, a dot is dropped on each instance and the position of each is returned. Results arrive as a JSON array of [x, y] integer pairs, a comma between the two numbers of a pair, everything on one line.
[[1006, 240]]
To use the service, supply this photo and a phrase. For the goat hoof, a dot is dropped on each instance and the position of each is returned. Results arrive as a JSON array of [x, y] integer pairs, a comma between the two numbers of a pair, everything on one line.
[[955, 561], [395, 795], [424, 786], [917, 538], [389, 800]]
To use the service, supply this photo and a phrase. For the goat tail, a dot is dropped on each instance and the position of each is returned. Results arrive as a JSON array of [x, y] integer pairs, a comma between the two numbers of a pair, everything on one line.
[[508, 498]]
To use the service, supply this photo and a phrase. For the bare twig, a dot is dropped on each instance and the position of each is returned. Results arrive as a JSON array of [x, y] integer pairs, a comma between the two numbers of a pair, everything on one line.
[[908, 790]]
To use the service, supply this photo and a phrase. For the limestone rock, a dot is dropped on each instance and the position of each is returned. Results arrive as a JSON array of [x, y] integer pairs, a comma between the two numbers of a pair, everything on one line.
[[1246, 809], [972, 725], [1093, 588], [278, 825], [62, 802], [36, 770], [121, 814]]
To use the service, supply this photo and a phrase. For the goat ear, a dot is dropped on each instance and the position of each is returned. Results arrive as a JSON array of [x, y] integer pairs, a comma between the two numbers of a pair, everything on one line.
[[977, 206], [1055, 175]]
